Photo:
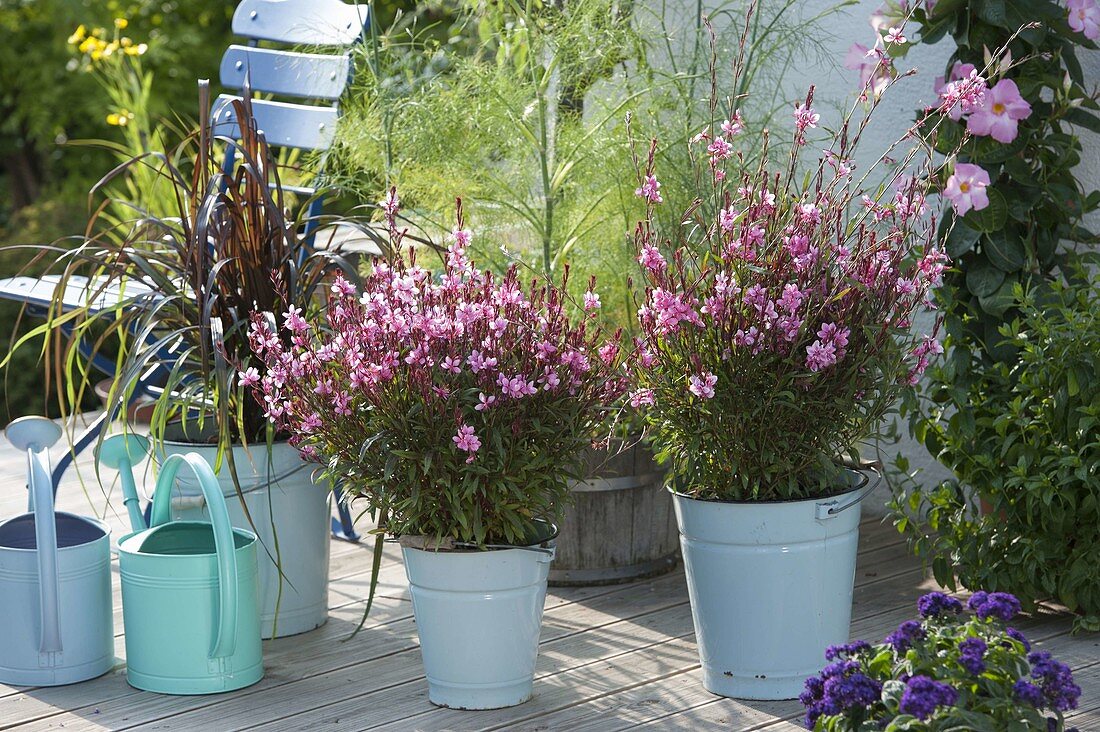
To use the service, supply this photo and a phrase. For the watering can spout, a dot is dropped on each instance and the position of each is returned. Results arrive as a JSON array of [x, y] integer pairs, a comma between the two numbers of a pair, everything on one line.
[[34, 436], [121, 453]]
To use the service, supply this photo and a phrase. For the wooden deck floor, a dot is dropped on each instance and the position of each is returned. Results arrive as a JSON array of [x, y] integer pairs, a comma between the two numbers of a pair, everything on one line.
[[612, 658]]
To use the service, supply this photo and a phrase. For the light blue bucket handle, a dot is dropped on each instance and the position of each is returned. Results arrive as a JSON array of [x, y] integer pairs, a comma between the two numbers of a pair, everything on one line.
[[226, 640]]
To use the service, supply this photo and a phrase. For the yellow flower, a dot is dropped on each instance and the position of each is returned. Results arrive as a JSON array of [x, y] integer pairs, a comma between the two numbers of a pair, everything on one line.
[[125, 42], [120, 119], [78, 35], [136, 50], [97, 54], [121, 23], [87, 44]]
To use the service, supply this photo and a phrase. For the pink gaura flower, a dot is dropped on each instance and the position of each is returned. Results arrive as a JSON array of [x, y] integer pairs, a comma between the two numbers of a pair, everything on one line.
[[467, 441], [1084, 17], [461, 237], [391, 202], [454, 365], [651, 259], [341, 286], [727, 218], [484, 401], [820, 356], [515, 387], [999, 113], [672, 309], [959, 70], [294, 321], [310, 423], [591, 301], [719, 149], [733, 127], [650, 190], [966, 188], [963, 95], [248, 377], [805, 118], [745, 338], [791, 299], [642, 398], [895, 35], [702, 385]]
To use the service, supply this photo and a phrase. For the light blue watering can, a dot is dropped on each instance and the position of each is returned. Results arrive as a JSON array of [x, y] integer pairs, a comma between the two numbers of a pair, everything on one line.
[[189, 588], [55, 580]]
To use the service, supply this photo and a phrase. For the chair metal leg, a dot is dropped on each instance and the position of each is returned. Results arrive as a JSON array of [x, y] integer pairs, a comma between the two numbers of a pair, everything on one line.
[[344, 527], [87, 437]]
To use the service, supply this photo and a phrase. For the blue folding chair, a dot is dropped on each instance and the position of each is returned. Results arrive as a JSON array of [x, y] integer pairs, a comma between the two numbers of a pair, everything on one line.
[[317, 77]]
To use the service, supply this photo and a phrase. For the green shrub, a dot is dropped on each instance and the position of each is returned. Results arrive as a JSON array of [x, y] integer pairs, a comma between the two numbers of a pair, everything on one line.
[[1023, 435]]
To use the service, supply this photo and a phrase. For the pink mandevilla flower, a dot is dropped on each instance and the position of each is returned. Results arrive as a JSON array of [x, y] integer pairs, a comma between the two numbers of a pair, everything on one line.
[[1084, 17], [999, 113], [966, 188]]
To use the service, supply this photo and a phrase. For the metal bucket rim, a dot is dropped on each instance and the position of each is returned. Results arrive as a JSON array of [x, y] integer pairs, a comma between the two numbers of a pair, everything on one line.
[[860, 483], [251, 537], [465, 548], [93, 522]]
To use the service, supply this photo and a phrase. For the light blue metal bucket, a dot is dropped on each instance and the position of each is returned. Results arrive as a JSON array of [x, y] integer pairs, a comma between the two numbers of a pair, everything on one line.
[[55, 580]]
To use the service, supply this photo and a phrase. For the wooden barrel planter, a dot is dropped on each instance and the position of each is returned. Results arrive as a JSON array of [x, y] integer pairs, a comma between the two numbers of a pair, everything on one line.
[[621, 526]]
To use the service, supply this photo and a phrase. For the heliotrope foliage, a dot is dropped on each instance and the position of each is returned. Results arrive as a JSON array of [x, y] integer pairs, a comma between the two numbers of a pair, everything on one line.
[[947, 671], [456, 404], [777, 322]]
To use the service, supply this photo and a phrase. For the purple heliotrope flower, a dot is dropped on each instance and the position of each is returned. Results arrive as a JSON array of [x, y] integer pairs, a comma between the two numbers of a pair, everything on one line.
[[832, 653], [906, 635], [840, 687], [972, 655], [1028, 693], [922, 695], [1060, 693], [937, 603], [1018, 636], [1001, 605]]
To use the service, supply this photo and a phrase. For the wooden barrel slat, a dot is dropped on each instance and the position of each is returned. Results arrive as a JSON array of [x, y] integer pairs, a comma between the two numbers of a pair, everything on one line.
[[621, 525]]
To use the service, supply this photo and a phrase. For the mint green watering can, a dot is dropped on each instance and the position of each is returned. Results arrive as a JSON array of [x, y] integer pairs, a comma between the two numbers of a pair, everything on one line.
[[189, 592]]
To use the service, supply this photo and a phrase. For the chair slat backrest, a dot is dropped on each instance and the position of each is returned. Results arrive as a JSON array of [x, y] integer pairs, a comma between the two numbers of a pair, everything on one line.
[[300, 22], [286, 125], [315, 76], [267, 71]]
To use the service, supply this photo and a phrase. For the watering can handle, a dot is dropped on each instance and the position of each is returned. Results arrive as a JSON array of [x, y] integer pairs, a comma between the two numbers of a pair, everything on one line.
[[225, 641], [45, 537]]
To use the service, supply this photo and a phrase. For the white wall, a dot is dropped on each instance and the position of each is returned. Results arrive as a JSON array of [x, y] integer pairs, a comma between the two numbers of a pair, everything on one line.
[[835, 88]]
